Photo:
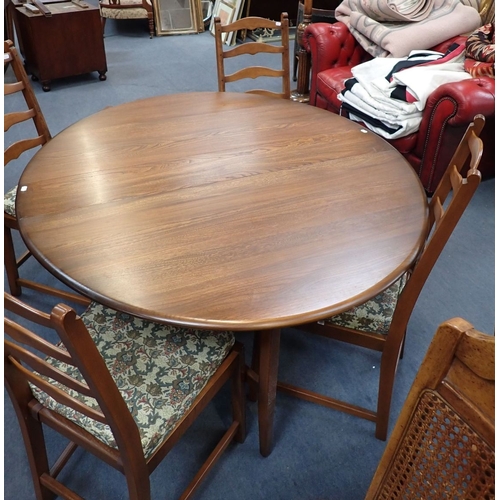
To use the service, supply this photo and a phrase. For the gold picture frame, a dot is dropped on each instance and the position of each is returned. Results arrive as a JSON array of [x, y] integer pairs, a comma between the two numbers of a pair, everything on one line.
[[176, 17]]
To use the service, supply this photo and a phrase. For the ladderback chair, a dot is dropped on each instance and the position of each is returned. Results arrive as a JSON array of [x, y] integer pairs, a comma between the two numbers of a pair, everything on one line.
[[380, 323], [30, 113], [127, 9], [252, 48], [120, 387], [443, 444]]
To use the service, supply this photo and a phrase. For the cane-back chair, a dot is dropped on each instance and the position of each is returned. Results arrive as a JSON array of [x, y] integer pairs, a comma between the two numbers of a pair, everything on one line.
[[123, 388], [443, 445], [30, 113], [380, 323], [252, 48]]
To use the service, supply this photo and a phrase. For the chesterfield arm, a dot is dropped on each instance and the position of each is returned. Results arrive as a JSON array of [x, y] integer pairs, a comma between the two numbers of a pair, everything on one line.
[[448, 112]]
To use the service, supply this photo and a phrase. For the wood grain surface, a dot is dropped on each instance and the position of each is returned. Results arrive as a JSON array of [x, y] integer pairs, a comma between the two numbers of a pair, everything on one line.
[[222, 210]]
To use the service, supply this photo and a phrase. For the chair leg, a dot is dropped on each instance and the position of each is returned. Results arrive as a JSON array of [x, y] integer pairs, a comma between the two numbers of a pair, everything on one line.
[[37, 455], [151, 25], [401, 354], [252, 387], [238, 397], [103, 23], [10, 262], [388, 367], [138, 488]]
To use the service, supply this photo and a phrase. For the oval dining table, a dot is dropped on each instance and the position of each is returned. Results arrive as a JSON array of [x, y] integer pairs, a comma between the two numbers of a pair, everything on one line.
[[225, 211]]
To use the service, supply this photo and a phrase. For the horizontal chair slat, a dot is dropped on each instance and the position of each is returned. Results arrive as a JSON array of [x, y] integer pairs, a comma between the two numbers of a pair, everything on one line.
[[267, 93], [254, 72], [253, 48], [59, 395], [12, 88], [17, 117], [46, 369], [14, 150], [251, 23], [24, 336]]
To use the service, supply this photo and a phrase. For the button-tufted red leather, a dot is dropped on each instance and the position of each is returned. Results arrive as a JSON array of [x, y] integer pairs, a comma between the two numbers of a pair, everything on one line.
[[449, 109], [331, 82]]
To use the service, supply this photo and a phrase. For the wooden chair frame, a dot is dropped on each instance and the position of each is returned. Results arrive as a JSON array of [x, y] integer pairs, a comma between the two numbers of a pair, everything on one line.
[[117, 5], [252, 48], [34, 113], [444, 440], [442, 222], [20, 365]]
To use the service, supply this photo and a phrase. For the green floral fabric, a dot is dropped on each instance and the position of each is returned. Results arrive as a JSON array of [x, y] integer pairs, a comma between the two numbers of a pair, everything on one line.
[[9, 202], [375, 315], [159, 370]]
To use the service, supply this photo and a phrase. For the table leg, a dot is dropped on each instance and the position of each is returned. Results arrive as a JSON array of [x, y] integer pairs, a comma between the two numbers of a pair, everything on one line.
[[268, 342]]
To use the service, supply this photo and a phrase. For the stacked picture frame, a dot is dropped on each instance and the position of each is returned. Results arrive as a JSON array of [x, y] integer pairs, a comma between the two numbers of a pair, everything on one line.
[[175, 17], [228, 11]]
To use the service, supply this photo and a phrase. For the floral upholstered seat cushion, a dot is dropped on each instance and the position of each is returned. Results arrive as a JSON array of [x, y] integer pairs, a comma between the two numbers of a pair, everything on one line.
[[159, 370], [127, 13], [9, 202], [375, 315]]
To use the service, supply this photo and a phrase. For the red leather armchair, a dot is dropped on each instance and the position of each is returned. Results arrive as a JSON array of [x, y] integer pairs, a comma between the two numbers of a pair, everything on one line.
[[449, 109]]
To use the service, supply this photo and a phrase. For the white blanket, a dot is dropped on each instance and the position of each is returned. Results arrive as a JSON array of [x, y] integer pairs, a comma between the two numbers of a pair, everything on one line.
[[369, 95]]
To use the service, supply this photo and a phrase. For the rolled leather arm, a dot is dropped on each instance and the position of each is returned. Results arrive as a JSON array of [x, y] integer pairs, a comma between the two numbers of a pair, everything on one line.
[[455, 105], [331, 45], [448, 112]]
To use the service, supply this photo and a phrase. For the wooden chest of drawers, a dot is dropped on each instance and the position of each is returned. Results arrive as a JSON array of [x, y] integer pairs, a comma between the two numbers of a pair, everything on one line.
[[67, 43]]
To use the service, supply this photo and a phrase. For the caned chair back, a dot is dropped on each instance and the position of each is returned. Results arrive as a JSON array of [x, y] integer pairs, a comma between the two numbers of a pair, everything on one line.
[[252, 48], [443, 444]]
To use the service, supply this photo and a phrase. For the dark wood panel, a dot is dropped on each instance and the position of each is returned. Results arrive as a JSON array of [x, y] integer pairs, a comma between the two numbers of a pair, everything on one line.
[[273, 10], [68, 43]]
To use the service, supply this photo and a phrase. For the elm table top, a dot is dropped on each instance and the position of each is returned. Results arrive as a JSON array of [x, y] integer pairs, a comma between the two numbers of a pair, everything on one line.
[[223, 211]]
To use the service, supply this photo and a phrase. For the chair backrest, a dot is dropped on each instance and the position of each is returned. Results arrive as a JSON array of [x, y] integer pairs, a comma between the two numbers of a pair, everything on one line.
[[252, 48], [32, 111], [444, 440], [26, 367], [448, 203], [126, 5]]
